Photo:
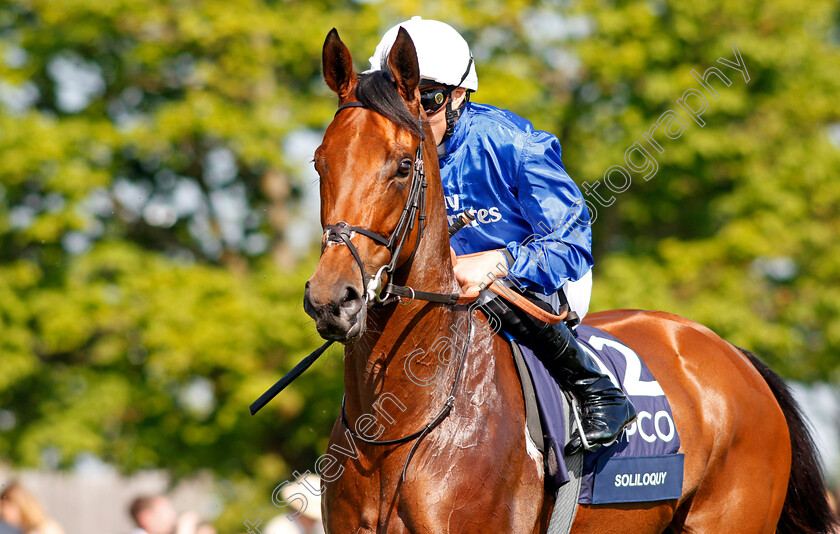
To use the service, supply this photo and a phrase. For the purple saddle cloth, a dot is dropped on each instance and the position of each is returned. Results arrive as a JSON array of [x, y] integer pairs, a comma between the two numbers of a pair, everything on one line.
[[643, 464]]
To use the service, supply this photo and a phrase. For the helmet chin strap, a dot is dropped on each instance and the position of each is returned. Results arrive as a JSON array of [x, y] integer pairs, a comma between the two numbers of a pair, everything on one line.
[[451, 118], [453, 114]]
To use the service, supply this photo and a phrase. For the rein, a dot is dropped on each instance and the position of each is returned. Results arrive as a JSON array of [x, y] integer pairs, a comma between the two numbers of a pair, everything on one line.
[[342, 233], [423, 432]]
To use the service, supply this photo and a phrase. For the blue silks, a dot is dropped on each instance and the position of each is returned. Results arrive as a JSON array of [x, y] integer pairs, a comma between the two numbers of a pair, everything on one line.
[[513, 177]]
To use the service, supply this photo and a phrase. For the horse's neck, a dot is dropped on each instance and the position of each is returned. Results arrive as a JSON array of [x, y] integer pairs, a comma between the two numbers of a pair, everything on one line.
[[399, 356]]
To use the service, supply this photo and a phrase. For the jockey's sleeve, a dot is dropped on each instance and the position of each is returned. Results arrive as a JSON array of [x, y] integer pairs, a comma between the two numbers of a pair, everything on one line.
[[560, 246]]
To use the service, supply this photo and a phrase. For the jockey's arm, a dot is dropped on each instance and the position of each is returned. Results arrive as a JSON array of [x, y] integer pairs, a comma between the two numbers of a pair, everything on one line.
[[559, 247]]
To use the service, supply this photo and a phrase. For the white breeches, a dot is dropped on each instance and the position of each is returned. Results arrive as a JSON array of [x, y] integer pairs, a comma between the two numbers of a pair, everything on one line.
[[579, 293]]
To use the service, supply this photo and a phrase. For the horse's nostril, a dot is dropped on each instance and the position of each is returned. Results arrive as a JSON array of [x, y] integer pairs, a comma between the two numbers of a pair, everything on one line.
[[351, 298], [308, 307], [351, 303]]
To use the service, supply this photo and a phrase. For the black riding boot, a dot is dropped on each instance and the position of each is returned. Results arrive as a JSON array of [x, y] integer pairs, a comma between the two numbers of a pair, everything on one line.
[[605, 408]]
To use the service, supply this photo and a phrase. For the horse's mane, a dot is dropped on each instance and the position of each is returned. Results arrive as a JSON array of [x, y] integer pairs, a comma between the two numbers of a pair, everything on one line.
[[376, 90]]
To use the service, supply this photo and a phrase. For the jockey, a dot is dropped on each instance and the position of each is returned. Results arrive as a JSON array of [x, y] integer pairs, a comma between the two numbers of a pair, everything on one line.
[[532, 226]]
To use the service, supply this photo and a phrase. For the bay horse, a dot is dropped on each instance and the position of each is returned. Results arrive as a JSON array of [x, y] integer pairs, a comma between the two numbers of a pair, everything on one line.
[[452, 453]]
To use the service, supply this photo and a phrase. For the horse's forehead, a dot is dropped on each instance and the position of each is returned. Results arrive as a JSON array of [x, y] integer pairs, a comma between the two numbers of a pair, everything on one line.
[[361, 129]]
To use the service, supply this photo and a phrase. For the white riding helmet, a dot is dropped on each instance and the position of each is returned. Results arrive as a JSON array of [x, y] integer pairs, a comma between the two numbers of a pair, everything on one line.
[[443, 54]]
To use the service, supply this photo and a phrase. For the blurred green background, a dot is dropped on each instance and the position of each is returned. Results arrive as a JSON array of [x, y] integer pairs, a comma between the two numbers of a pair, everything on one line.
[[158, 213]]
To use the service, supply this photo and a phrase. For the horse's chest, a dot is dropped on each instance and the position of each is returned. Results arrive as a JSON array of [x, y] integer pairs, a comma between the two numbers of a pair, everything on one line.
[[370, 496]]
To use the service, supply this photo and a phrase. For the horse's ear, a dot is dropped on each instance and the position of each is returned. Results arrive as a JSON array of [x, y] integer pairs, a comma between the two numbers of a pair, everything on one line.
[[402, 59], [338, 65]]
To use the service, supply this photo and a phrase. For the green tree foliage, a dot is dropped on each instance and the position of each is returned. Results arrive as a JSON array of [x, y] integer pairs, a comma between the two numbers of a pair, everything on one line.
[[739, 227], [147, 291]]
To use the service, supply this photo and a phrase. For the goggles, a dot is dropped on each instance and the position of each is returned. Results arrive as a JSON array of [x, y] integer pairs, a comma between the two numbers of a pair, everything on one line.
[[433, 98]]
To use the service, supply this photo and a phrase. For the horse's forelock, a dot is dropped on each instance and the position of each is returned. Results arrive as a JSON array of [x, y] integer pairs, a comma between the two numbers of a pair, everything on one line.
[[376, 90]]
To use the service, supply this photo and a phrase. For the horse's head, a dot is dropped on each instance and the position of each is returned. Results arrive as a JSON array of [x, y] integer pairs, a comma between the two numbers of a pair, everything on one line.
[[368, 180]]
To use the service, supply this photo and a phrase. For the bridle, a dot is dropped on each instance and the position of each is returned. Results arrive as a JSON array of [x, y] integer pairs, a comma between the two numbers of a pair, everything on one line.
[[341, 232]]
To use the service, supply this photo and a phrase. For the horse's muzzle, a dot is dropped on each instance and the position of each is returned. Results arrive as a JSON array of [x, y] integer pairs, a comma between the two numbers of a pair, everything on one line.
[[338, 312]]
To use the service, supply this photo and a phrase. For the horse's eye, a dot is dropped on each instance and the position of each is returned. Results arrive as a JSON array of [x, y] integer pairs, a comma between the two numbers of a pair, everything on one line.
[[405, 167]]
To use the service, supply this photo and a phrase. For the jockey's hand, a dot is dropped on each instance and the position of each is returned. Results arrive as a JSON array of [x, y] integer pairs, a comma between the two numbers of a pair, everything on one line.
[[476, 272]]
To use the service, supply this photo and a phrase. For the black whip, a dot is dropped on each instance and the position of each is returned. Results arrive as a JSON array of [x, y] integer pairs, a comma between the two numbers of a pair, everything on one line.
[[281, 384], [466, 217]]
